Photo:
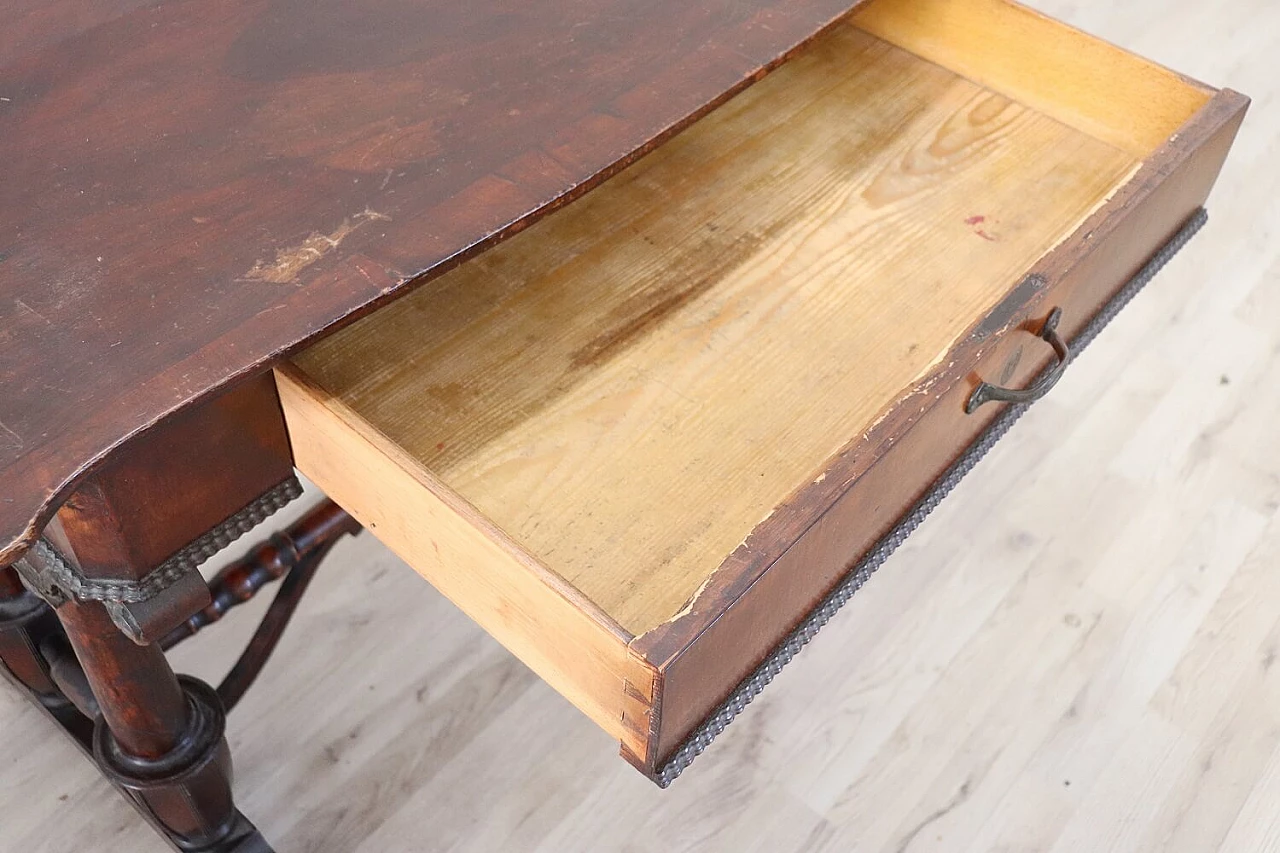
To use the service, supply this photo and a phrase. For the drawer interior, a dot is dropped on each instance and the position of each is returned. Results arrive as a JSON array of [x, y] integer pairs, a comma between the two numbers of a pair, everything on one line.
[[620, 394]]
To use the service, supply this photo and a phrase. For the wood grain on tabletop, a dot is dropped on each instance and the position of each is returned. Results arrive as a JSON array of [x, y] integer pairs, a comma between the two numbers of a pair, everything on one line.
[[192, 188], [1076, 651]]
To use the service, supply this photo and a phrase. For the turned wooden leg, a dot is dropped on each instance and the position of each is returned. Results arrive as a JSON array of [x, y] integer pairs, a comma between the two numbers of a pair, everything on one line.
[[159, 736], [25, 621], [118, 565]]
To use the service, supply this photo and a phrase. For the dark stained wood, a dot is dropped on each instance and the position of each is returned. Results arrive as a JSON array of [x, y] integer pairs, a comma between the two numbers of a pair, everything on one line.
[[160, 737], [137, 692], [193, 471], [24, 621], [790, 562], [162, 491], [294, 553], [10, 584], [194, 188], [164, 744], [68, 675], [240, 837], [306, 540]]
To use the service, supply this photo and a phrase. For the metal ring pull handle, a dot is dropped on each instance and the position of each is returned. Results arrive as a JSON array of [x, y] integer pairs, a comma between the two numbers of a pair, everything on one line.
[[986, 393]]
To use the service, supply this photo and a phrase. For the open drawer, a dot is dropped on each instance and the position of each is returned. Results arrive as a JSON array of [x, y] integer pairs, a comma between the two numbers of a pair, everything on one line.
[[639, 441]]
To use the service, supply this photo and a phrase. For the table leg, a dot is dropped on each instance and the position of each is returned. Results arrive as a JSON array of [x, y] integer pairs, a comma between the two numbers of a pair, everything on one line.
[[24, 622], [117, 570], [158, 737]]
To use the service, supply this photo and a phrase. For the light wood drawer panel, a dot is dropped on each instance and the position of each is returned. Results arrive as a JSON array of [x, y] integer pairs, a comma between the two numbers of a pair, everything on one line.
[[640, 440]]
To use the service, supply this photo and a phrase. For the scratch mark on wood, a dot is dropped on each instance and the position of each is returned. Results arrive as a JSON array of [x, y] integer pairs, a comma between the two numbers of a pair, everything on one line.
[[10, 440], [25, 307], [290, 262]]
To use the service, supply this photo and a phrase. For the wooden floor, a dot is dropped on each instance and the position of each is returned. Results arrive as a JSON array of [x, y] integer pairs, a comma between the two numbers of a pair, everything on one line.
[[1076, 652]]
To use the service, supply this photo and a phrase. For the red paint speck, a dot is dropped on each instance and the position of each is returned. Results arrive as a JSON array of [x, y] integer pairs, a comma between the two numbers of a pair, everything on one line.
[[440, 446], [976, 220]]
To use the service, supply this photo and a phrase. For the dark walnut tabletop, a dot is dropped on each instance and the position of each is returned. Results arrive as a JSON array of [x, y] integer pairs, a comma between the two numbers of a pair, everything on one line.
[[192, 189]]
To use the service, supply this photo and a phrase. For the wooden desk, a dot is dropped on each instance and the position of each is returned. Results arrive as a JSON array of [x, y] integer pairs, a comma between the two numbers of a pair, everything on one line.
[[638, 443]]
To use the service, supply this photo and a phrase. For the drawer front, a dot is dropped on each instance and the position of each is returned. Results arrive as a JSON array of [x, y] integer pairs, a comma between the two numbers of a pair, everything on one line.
[[770, 584]]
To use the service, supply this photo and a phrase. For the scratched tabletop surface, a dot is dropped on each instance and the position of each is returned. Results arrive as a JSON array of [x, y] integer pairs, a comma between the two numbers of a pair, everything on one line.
[[191, 189]]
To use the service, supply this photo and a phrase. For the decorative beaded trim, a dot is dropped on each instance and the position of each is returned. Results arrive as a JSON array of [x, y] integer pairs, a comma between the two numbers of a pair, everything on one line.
[[50, 574], [755, 683]]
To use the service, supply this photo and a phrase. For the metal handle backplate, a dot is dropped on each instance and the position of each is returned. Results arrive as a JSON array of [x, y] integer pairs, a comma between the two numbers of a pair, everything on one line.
[[986, 392]]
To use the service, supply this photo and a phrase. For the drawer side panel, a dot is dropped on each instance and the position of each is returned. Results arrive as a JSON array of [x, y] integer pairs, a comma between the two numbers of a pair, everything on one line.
[[533, 613]]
